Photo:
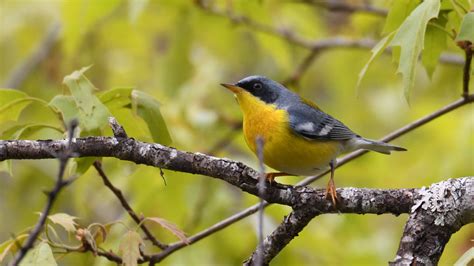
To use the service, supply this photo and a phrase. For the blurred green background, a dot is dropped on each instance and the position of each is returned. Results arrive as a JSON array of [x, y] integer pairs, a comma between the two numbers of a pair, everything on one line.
[[179, 53]]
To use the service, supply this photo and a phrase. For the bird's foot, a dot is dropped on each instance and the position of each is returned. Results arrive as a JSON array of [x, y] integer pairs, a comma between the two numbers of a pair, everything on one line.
[[270, 177], [331, 192]]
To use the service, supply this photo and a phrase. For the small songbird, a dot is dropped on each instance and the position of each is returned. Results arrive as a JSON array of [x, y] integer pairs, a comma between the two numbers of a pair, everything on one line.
[[298, 137]]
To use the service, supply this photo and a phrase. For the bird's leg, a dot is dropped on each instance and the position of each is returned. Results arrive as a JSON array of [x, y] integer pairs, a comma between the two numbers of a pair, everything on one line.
[[331, 187], [271, 176]]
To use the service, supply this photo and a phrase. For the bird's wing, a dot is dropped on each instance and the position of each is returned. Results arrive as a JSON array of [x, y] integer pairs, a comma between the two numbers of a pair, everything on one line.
[[314, 124]]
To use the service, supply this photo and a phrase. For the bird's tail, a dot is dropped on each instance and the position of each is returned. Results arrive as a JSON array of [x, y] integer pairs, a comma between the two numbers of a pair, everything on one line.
[[378, 146]]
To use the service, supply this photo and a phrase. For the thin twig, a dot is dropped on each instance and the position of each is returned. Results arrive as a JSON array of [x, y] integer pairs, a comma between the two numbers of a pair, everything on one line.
[[301, 69], [339, 6], [290, 36], [208, 231], [396, 134], [222, 143], [63, 158], [118, 193], [261, 191], [468, 49], [21, 72]]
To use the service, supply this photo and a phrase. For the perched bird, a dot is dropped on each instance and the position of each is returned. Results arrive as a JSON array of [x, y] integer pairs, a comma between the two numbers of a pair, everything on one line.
[[298, 137]]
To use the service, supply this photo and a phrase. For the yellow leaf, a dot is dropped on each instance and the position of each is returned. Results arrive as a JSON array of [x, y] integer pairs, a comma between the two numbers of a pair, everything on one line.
[[130, 248], [64, 220], [170, 227], [41, 255], [11, 246]]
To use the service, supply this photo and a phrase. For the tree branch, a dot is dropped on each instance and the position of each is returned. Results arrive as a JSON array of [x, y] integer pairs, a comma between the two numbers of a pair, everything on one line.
[[310, 201], [450, 200], [63, 157], [339, 6], [468, 49], [352, 200], [20, 73], [118, 193], [278, 239], [315, 45], [438, 212]]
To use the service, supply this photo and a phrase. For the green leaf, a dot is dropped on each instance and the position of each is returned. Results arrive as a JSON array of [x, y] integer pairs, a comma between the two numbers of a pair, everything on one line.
[[410, 39], [83, 164], [399, 10], [466, 32], [64, 220], [9, 95], [100, 232], [461, 6], [170, 227], [6, 166], [376, 51], [41, 255], [12, 103], [116, 98], [277, 48], [25, 130], [148, 108], [11, 246], [130, 248], [92, 113], [435, 43], [65, 107]]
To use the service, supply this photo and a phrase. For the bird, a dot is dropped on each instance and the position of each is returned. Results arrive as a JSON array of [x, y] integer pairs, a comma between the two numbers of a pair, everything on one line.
[[299, 138]]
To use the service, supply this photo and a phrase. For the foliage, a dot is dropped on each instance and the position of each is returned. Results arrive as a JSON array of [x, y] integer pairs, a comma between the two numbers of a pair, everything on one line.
[[156, 67]]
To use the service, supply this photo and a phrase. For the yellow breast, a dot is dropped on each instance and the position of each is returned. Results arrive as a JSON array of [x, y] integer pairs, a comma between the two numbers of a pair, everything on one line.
[[283, 150]]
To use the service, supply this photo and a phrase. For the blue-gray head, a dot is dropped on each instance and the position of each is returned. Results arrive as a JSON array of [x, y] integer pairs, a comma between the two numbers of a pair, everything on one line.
[[261, 87]]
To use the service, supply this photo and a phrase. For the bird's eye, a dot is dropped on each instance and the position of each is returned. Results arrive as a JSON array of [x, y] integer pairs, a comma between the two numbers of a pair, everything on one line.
[[257, 86]]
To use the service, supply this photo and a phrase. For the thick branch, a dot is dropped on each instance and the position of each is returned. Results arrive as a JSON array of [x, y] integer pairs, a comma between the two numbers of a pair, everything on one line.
[[278, 239], [439, 211], [235, 173], [449, 204], [139, 152], [309, 202]]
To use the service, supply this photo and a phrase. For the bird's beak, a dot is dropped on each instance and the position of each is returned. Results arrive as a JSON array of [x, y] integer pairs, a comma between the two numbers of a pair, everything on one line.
[[233, 88]]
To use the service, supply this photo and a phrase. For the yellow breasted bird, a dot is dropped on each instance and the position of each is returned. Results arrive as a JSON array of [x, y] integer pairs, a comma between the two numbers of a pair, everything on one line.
[[299, 138]]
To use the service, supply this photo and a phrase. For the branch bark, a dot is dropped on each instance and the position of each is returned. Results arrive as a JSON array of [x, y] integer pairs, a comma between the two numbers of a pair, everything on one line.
[[450, 203], [306, 202], [233, 172], [438, 212]]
